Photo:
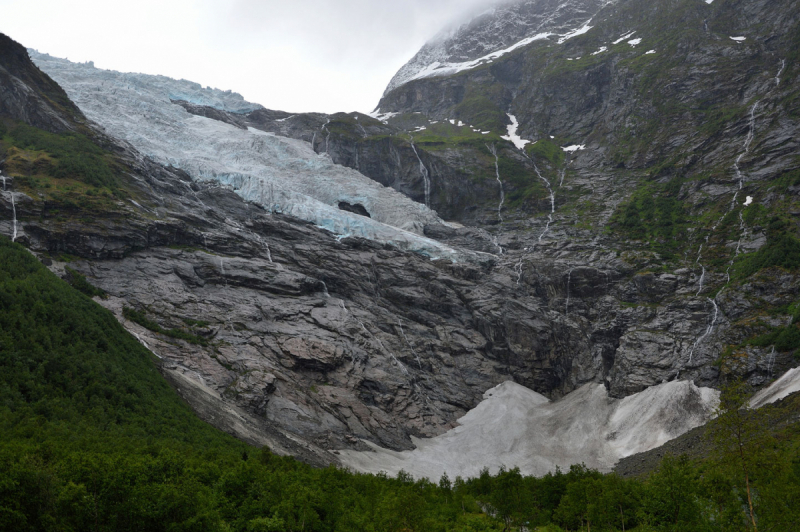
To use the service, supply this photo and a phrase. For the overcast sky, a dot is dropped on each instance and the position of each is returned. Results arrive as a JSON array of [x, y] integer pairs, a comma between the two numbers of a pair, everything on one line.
[[293, 55]]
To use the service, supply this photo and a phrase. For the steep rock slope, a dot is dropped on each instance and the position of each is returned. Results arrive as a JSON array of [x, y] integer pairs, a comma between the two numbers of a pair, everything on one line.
[[495, 32], [585, 289]]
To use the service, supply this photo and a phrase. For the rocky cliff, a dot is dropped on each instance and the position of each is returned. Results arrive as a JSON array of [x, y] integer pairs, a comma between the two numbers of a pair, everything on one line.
[[660, 245]]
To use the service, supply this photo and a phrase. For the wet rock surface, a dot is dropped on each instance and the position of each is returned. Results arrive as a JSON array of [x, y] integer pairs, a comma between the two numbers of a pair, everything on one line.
[[310, 344]]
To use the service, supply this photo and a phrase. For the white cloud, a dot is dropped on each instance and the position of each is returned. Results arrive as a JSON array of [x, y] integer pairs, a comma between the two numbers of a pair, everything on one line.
[[306, 55]]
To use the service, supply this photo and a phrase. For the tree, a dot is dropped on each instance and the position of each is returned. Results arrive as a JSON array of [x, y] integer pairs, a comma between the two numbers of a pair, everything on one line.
[[738, 434]]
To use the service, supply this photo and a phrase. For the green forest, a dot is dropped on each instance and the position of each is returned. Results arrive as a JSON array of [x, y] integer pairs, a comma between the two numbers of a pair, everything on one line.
[[92, 438]]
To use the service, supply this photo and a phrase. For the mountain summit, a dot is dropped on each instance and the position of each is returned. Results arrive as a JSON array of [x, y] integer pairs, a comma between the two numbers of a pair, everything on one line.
[[496, 31]]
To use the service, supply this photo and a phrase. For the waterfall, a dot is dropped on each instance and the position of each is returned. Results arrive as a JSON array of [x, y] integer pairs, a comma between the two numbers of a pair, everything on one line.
[[4, 182], [222, 269], [493, 150], [780, 71], [747, 142], [375, 338], [569, 280], [328, 136], [425, 176], [702, 278], [403, 333], [743, 233], [14, 211], [552, 200], [497, 244], [705, 334], [382, 347], [325, 289], [518, 268], [771, 362]]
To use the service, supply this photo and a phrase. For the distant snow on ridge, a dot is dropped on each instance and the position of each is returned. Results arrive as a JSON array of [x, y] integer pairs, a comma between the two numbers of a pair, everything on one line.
[[496, 32]]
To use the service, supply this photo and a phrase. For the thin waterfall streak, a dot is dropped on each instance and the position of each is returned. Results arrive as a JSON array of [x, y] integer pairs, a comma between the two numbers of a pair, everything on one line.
[[14, 212], [780, 71], [425, 176], [497, 244], [493, 150], [402, 332], [771, 362], [518, 269], [702, 278], [743, 233], [222, 269], [328, 136], [569, 280], [383, 348], [705, 334]]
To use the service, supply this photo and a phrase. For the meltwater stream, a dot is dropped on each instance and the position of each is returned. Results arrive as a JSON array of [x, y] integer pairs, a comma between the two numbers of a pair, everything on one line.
[[493, 150], [425, 175]]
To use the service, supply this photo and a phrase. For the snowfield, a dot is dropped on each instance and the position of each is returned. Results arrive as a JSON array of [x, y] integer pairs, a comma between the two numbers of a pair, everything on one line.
[[282, 175], [517, 427]]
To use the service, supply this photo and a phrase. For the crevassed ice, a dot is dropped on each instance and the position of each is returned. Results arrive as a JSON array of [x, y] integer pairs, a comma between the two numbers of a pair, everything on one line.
[[281, 174]]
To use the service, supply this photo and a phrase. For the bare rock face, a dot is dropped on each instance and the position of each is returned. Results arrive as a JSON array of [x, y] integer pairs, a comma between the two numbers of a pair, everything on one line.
[[276, 331], [29, 95]]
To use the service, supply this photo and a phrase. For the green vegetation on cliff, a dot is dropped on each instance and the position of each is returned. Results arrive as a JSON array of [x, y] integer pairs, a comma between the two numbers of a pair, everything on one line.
[[93, 438]]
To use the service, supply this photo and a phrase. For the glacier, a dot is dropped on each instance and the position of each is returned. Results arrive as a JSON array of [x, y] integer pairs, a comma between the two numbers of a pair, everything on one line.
[[282, 175]]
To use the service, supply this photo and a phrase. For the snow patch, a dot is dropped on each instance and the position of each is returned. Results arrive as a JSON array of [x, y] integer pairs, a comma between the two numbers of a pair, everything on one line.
[[601, 50], [574, 33], [383, 117], [748, 201], [512, 134], [446, 69], [634, 42], [574, 148], [517, 427], [648, 52], [626, 36], [786, 385], [739, 39]]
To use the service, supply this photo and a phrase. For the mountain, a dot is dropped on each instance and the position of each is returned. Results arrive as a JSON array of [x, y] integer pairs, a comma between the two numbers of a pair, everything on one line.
[[497, 31], [603, 220]]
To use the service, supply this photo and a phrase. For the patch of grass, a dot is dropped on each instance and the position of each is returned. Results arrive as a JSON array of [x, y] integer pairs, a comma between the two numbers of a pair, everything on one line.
[[655, 214], [782, 251], [140, 318], [68, 156], [548, 150], [79, 283]]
